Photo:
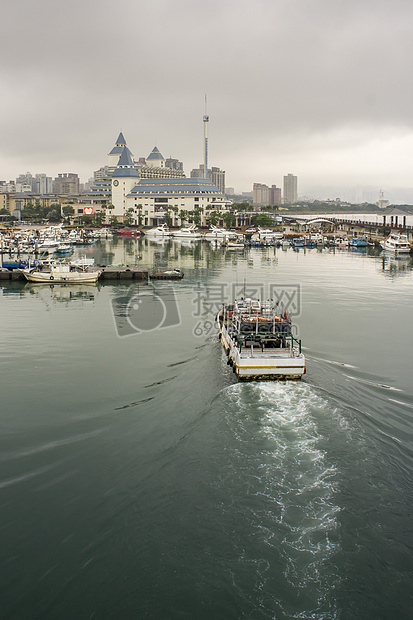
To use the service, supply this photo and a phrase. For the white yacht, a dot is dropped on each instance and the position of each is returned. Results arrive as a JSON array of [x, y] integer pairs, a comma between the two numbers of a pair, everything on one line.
[[398, 243], [187, 233], [216, 233], [270, 235], [158, 231]]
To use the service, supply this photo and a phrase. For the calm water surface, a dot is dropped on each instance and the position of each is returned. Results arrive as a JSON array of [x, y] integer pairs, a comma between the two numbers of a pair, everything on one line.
[[139, 480]]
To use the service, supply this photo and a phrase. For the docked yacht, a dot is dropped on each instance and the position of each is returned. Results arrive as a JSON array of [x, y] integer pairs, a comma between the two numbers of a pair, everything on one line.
[[215, 234], [187, 233], [158, 231], [258, 341], [267, 234], [397, 243]]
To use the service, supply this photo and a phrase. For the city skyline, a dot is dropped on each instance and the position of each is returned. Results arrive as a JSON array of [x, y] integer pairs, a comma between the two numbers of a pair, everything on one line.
[[334, 111]]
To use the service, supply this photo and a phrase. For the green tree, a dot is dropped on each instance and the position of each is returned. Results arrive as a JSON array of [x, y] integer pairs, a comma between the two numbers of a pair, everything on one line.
[[129, 217], [229, 219], [99, 218], [262, 220], [214, 217], [54, 216], [140, 216], [87, 219], [68, 211], [197, 215], [113, 220]]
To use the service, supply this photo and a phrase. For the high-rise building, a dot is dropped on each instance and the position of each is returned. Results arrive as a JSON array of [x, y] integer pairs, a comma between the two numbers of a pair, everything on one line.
[[198, 173], [27, 180], [274, 195], [216, 175], [43, 184], [174, 164], [260, 194], [290, 189], [66, 183]]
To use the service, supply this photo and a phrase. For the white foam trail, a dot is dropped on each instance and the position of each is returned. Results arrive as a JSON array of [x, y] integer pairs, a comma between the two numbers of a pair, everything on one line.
[[296, 483]]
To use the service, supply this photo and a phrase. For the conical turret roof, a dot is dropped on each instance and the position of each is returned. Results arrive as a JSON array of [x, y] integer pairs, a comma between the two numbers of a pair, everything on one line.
[[155, 154], [120, 145], [125, 165]]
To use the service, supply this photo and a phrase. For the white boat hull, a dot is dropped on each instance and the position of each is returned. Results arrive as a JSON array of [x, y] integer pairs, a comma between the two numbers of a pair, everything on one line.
[[397, 243], [71, 277], [281, 365]]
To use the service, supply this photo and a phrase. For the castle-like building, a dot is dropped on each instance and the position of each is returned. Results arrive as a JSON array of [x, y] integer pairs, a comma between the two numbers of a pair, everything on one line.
[[148, 192]]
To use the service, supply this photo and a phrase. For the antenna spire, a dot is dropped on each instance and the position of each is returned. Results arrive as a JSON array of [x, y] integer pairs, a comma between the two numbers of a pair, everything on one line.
[[206, 121]]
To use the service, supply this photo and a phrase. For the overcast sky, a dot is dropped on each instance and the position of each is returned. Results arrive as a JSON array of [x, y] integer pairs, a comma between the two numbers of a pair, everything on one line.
[[319, 88]]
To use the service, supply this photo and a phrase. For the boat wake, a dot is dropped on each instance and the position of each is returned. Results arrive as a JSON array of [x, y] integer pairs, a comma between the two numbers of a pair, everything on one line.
[[290, 486]]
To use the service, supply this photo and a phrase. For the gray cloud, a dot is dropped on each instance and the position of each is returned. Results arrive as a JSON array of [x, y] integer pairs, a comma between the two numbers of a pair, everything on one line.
[[319, 88]]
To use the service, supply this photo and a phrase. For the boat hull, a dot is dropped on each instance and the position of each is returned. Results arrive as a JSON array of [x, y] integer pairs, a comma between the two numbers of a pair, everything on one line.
[[280, 366], [72, 277]]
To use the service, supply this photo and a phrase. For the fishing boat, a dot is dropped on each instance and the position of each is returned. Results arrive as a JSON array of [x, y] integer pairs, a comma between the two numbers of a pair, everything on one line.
[[298, 242], [129, 232], [257, 338], [397, 243], [340, 242], [60, 274], [64, 249], [235, 244], [358, 242]]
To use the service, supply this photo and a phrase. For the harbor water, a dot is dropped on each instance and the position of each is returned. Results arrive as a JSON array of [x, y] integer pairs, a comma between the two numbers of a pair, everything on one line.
[[139, 479]]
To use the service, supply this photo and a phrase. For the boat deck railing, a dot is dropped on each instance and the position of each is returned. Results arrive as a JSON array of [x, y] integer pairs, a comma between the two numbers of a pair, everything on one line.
[[257, 345]]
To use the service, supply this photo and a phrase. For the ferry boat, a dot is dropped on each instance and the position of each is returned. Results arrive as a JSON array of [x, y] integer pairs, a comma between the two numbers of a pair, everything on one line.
[[398, 243], [258, 341]]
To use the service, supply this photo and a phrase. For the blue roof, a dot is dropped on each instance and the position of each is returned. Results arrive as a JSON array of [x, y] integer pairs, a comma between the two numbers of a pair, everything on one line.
[[156, 154], [120, 145], [121, 140], [125, 172], [177, 186], [125, 158], [117, 150], [125, 165]]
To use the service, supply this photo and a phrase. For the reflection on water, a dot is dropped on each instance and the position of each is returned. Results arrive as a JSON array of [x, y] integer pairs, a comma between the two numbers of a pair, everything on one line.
[[393, 266], [62, 293]]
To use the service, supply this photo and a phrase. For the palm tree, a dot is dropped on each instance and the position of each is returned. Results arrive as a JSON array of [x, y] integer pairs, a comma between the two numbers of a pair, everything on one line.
[[140, 216]]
